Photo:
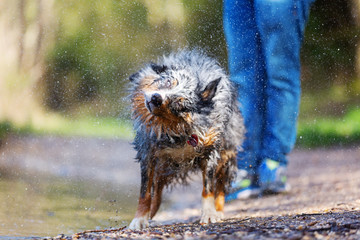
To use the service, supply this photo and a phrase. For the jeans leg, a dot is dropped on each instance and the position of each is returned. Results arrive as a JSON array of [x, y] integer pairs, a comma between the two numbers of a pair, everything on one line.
[[281, 26], [246, 65]]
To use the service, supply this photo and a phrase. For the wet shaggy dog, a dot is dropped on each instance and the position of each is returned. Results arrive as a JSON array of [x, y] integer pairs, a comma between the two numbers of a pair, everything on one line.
[[186, 117]]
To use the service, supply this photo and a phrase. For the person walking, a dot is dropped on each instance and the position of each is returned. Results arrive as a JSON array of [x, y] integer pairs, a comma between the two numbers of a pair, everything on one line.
[[264, 39]]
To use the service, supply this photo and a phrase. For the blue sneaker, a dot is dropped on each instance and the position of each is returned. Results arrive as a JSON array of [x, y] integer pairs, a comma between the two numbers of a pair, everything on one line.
[[245, 186], [272, 177]]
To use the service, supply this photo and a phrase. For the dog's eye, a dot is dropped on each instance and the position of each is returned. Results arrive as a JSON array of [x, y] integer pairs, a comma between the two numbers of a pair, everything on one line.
[[168, 84], [165, 83]]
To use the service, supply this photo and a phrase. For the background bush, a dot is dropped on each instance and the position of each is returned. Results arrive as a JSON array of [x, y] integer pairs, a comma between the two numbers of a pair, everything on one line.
[[73, 58]]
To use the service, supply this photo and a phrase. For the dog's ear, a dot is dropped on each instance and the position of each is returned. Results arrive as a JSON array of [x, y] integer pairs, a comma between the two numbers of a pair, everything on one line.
[[210, 90], [133, 77], [158, 68]]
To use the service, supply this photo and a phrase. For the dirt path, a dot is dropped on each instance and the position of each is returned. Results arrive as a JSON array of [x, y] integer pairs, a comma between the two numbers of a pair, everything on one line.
[[324, 201]]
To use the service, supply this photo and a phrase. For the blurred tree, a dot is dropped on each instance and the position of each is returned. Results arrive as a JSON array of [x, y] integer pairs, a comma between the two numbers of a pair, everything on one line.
[[24, 36], [83, 51], [204, 27], [330, 44], [329, 58], [356, 14], [100, 44]]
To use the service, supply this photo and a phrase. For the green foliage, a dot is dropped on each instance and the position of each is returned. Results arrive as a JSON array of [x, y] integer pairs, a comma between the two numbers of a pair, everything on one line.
[[330, 131], [93, 52], [5, 128], [204, 28], [104, 127], [100, 44], [329, 48]]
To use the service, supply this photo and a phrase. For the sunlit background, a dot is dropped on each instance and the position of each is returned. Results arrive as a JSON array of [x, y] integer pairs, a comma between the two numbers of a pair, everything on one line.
[[63, 75]]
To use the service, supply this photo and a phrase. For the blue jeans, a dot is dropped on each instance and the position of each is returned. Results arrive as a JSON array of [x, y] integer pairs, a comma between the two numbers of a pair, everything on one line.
[[264, 39]]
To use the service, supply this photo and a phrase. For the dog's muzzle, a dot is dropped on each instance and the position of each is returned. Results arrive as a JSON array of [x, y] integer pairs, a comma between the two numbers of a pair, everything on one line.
[[154, 103]]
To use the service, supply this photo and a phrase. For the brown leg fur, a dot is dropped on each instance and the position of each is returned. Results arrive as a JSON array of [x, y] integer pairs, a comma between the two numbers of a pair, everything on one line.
[[145, 195], [157, 195], [220, 202], [219, 192], [221, 174], [144, 206]]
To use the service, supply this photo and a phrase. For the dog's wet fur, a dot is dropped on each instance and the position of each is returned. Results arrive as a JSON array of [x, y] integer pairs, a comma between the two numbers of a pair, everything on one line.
[[186, 117]]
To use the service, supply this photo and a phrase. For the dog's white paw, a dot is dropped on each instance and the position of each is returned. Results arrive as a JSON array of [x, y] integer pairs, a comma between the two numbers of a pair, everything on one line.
[[220, 214], [139, 223], [208, 211], [210, 217]]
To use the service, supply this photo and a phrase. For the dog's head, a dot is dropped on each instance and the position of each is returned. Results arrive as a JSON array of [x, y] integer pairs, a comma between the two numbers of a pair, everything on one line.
[[166, 97]]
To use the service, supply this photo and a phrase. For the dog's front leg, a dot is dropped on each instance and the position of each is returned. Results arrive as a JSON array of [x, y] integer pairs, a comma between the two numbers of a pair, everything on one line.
[[142, 214], [208, 210], [159, 185], [220, 190]]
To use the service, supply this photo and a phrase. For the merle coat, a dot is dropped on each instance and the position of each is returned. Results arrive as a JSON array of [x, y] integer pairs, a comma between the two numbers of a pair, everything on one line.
[[186, 117]]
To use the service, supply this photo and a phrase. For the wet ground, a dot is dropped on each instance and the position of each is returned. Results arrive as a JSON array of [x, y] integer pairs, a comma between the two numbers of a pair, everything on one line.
[[324, 201], [51, 185], [334, 225]]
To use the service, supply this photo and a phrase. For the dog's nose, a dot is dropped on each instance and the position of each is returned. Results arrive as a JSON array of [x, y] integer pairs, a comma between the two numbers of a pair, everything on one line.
[[156, 100]]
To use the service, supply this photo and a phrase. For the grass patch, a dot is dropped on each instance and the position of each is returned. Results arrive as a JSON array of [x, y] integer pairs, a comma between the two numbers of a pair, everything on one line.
[[105, 127], [318, 132], [330, 131]]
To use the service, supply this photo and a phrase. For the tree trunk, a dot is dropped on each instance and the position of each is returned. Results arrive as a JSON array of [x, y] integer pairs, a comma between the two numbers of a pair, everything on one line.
[[22, 26]]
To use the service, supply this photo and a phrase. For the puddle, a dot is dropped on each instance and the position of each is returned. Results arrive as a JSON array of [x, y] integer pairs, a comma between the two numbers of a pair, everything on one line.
[[53, 185], [39, 206]]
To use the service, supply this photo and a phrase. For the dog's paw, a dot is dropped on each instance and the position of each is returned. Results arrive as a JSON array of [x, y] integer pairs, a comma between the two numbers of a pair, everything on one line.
[[220, 214], [139, 223], [211, 217], [208, 211]]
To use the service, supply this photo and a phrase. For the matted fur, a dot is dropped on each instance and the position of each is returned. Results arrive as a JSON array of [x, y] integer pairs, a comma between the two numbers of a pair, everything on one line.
[[186, 117]]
